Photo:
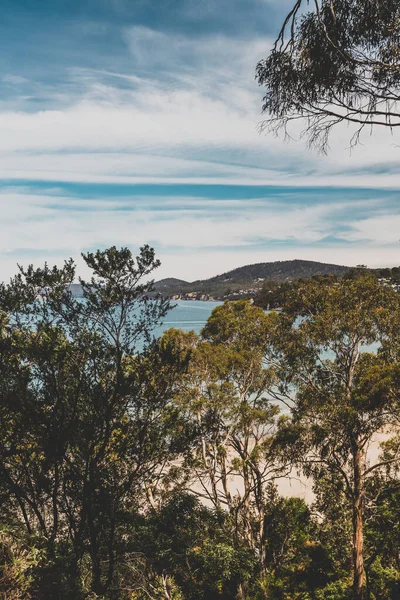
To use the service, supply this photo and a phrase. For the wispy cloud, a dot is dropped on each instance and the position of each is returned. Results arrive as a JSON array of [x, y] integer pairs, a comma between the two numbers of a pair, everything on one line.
[[14, 79], [169, 98], [52, 223], [185, 103]]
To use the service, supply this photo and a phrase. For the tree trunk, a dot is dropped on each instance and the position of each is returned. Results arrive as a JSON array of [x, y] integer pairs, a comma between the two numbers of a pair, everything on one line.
[[240, 592], [358, 527], [164, 578]]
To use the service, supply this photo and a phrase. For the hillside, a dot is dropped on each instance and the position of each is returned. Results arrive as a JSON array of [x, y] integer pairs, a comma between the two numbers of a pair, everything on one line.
[[246, 280], [170, 282], [281, 271], [240, 282]]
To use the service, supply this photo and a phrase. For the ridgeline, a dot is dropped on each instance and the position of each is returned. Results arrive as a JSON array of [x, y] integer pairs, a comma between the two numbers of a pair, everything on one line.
[[247, 280]]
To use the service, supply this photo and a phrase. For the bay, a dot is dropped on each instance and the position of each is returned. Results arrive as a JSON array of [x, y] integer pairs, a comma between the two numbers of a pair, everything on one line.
[[188, 315]]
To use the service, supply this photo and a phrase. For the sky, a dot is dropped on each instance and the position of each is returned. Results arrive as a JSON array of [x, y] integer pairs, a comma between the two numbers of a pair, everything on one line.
[[126, 122]]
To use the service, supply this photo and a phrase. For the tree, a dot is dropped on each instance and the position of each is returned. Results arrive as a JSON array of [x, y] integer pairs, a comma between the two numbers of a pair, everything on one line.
[[189, 550], [85, 419], [111, 440], [298, 562], [383, 534], [272, 294], [338, 62], [340, 395], [224, 394]]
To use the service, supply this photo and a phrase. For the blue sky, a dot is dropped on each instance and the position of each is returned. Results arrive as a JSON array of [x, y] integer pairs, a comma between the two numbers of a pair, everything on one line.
[[128, 122]]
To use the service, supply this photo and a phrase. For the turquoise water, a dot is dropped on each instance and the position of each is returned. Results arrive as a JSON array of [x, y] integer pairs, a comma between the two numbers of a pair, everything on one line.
[[191, 315], [187, 315]]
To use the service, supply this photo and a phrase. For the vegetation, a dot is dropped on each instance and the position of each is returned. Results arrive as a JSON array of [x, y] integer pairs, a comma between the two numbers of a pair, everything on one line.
[[392, 275], [334, 61], [266, 283], [246, 281], [137, 468], [274, 294]]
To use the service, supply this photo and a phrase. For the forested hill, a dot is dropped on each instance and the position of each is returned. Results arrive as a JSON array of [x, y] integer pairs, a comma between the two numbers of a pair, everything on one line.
[[248, 278], [170, 282], [281, 271], [242, 281]]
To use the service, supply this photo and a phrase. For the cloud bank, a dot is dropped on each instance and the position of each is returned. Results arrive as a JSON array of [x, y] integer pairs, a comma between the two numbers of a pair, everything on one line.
[[167, 107]]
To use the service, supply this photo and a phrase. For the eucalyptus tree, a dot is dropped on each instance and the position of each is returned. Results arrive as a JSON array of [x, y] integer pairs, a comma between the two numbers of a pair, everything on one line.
[[334, 61], [230, 461], [342, 393]]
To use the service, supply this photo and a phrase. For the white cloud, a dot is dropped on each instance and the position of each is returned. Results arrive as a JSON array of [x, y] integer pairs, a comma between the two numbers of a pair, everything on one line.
[[63, 222], [173, 133], [186, 113], [384, 229], [215, 235], [194, 118], [14, 79]]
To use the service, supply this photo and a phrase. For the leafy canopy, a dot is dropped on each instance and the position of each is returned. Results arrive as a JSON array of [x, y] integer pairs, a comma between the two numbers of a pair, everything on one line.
[[334, 61]]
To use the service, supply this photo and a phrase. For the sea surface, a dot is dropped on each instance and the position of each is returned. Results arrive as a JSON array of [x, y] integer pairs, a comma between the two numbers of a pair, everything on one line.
[[187, 315]]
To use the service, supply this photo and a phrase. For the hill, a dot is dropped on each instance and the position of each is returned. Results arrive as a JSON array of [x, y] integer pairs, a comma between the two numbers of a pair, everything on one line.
[[281, 271], [247, 280], [241, 282], [170, 282]]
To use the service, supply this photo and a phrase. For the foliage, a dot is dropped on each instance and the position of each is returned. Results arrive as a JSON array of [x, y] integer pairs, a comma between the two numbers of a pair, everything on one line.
[[341, 396], [334, 61], [136, 468], [73, 412]]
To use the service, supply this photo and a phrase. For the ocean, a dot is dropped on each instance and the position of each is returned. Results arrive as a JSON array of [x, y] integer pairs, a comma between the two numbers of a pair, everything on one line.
[[187, 315]]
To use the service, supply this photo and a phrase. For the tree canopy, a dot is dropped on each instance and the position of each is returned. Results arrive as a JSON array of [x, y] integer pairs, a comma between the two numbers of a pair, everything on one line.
[[340, 395], [137, 468], [334, 61]]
